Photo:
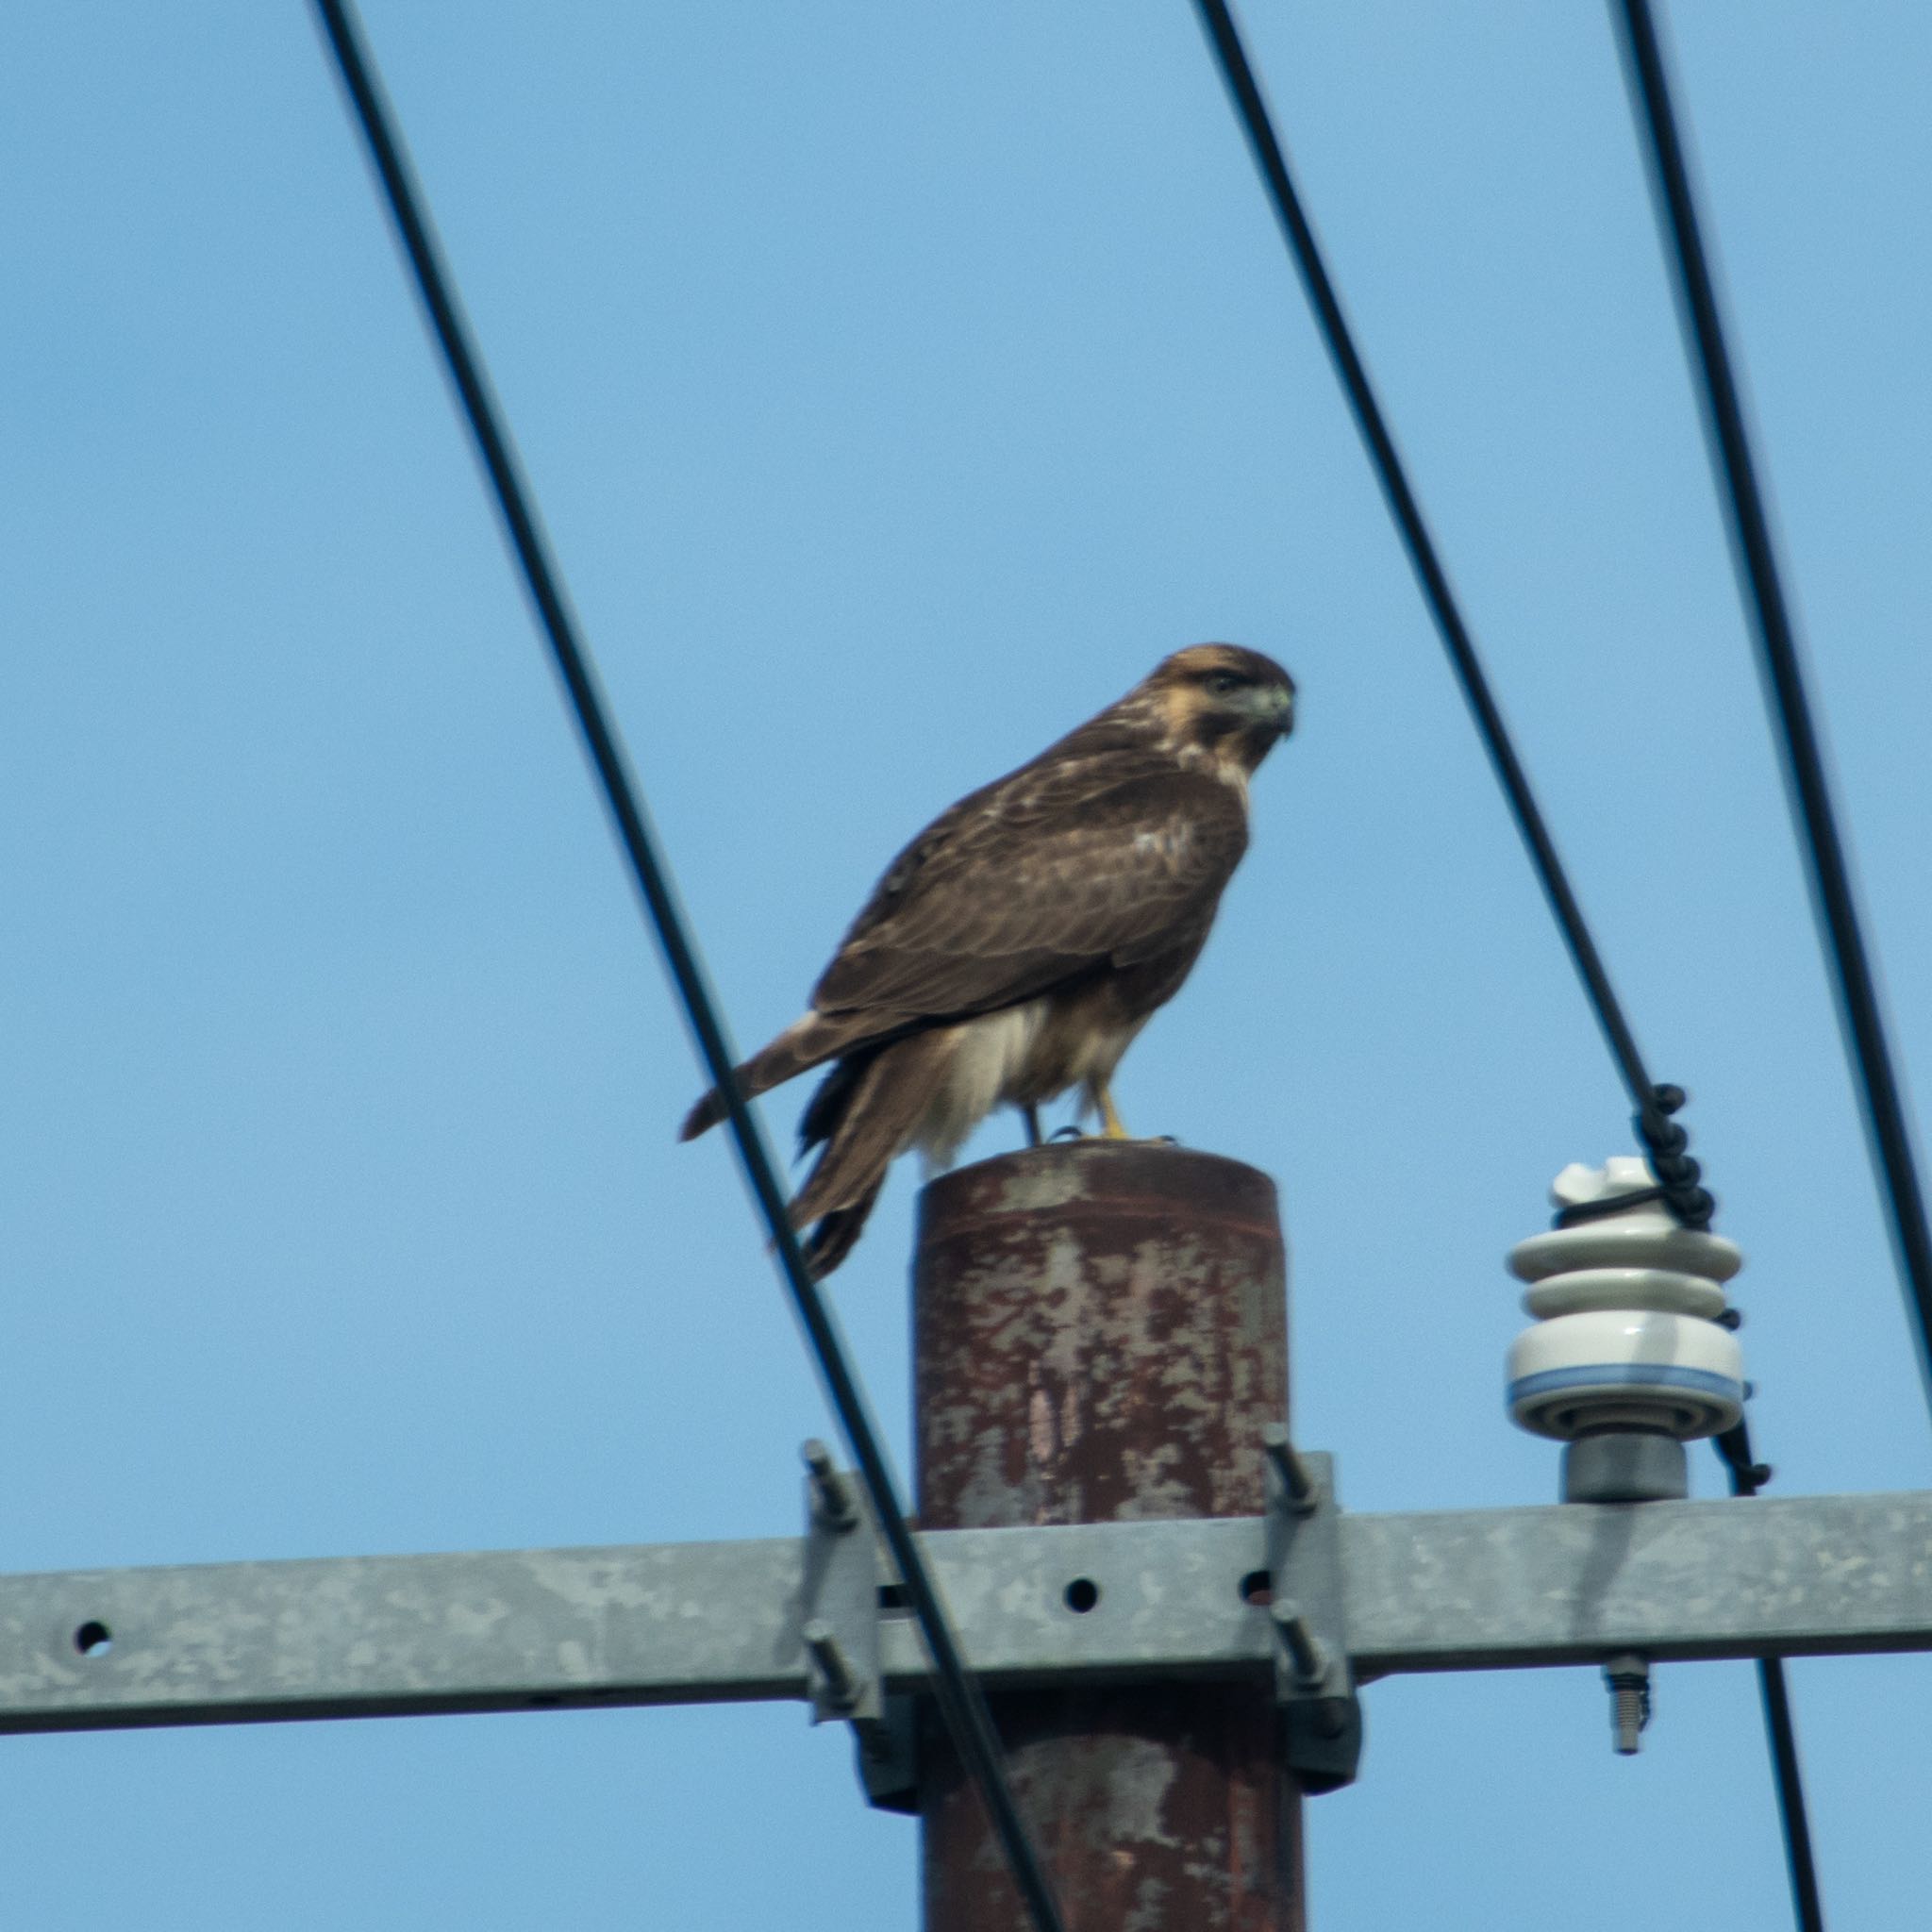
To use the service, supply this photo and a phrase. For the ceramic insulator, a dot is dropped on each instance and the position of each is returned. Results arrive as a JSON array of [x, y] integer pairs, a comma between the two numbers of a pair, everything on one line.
[[1626, 1301]]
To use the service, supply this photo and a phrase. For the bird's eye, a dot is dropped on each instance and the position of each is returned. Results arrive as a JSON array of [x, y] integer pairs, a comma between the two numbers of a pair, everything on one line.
[[1224, 683]]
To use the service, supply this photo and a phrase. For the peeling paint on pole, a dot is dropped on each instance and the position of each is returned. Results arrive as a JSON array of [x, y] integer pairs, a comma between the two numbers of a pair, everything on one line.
[[1100, 1333]]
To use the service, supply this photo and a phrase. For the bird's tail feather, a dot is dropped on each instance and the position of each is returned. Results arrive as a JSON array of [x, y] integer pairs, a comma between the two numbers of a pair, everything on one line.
[[806, 1044], [865, 1119], [832, 1240]]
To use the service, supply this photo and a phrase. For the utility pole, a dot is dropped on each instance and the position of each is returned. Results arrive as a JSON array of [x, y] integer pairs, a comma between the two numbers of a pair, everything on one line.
[[1099, 1335]]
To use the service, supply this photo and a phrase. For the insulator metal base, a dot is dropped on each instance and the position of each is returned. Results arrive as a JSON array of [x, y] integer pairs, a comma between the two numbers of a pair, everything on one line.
[[1625, 1466]]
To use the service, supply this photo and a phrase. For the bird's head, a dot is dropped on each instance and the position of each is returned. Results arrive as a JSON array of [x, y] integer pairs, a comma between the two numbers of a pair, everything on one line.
[[1223, 702]]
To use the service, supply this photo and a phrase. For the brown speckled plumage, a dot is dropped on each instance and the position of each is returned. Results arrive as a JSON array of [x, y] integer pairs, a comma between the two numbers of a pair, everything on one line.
[[1016, 947]]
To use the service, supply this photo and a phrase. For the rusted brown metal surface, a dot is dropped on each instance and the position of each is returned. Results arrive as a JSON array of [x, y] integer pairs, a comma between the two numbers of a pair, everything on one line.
[[1099, 1332]]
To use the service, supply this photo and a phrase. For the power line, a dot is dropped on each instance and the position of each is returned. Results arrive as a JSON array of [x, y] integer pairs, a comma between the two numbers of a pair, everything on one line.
[[1761, 585], [1664, 1138], [961, 1701], [1780, 1731], [1808, 1907]]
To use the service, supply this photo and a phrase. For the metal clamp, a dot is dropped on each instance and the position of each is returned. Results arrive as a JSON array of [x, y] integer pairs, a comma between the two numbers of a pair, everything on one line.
[[1321, 1716], [838, 1625], [837, 1631]]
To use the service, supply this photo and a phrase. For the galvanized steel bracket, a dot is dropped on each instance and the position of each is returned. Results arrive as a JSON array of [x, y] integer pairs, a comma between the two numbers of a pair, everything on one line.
[[838, 1634], [1314, 1685], [838, 1626], [887, 1750]]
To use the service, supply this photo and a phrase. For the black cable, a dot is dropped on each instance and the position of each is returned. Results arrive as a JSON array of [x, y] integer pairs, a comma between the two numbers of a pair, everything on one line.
[[1748, 1477], [1828, 872], [1676, 1172], [1805, 1904], [957, 1694], [1784, 679], [1664, 1139]]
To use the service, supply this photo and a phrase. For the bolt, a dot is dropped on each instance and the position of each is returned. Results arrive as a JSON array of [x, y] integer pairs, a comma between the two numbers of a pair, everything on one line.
[[831, 1495], [1297, 1480], [841, 1684], [1628, 1678], [1303, 1647]]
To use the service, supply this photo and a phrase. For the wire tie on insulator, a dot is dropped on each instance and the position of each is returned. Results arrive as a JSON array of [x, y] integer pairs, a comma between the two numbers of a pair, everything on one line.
[[1667, 1144], [1734, 1446], [1576, 1212]]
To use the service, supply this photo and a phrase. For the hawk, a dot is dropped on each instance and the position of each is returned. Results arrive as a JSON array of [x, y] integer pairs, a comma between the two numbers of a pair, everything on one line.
[[1015, 948]]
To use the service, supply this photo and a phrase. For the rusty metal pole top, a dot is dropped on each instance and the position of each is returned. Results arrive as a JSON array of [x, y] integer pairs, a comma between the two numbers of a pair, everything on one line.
[[1099, 1334]]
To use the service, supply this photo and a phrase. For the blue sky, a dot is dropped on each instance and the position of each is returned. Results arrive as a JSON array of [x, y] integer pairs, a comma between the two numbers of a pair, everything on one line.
[[900, 384]]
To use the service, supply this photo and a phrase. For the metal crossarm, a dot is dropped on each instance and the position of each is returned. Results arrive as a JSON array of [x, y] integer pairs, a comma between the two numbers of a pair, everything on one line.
[[721, 1621]]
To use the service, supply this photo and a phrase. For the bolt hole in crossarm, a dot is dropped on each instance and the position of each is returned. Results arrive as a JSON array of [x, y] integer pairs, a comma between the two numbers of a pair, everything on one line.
[[1257, 1589], [94, 1639], [1081, 1595]]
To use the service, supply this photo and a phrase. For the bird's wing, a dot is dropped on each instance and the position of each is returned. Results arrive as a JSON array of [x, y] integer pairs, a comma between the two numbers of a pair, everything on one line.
[[1043, 876]]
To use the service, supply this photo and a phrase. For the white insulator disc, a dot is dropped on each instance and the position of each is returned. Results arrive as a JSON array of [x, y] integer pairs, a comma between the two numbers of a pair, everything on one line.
[[1579, 1291], [1627, 1241], [1625, 1368]]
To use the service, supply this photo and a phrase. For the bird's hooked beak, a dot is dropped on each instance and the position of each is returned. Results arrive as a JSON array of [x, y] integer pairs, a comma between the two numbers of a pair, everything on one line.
[[1279, 700]]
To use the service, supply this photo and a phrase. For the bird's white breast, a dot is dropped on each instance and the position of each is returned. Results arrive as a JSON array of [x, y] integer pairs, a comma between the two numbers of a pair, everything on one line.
[[987, 1057]]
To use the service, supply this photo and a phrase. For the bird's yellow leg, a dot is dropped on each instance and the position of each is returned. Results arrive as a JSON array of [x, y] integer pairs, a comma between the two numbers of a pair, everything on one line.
[[1112, 1127]]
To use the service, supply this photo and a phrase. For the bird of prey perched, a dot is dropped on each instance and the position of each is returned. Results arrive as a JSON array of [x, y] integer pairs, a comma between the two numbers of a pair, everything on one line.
[[1017, 946]]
